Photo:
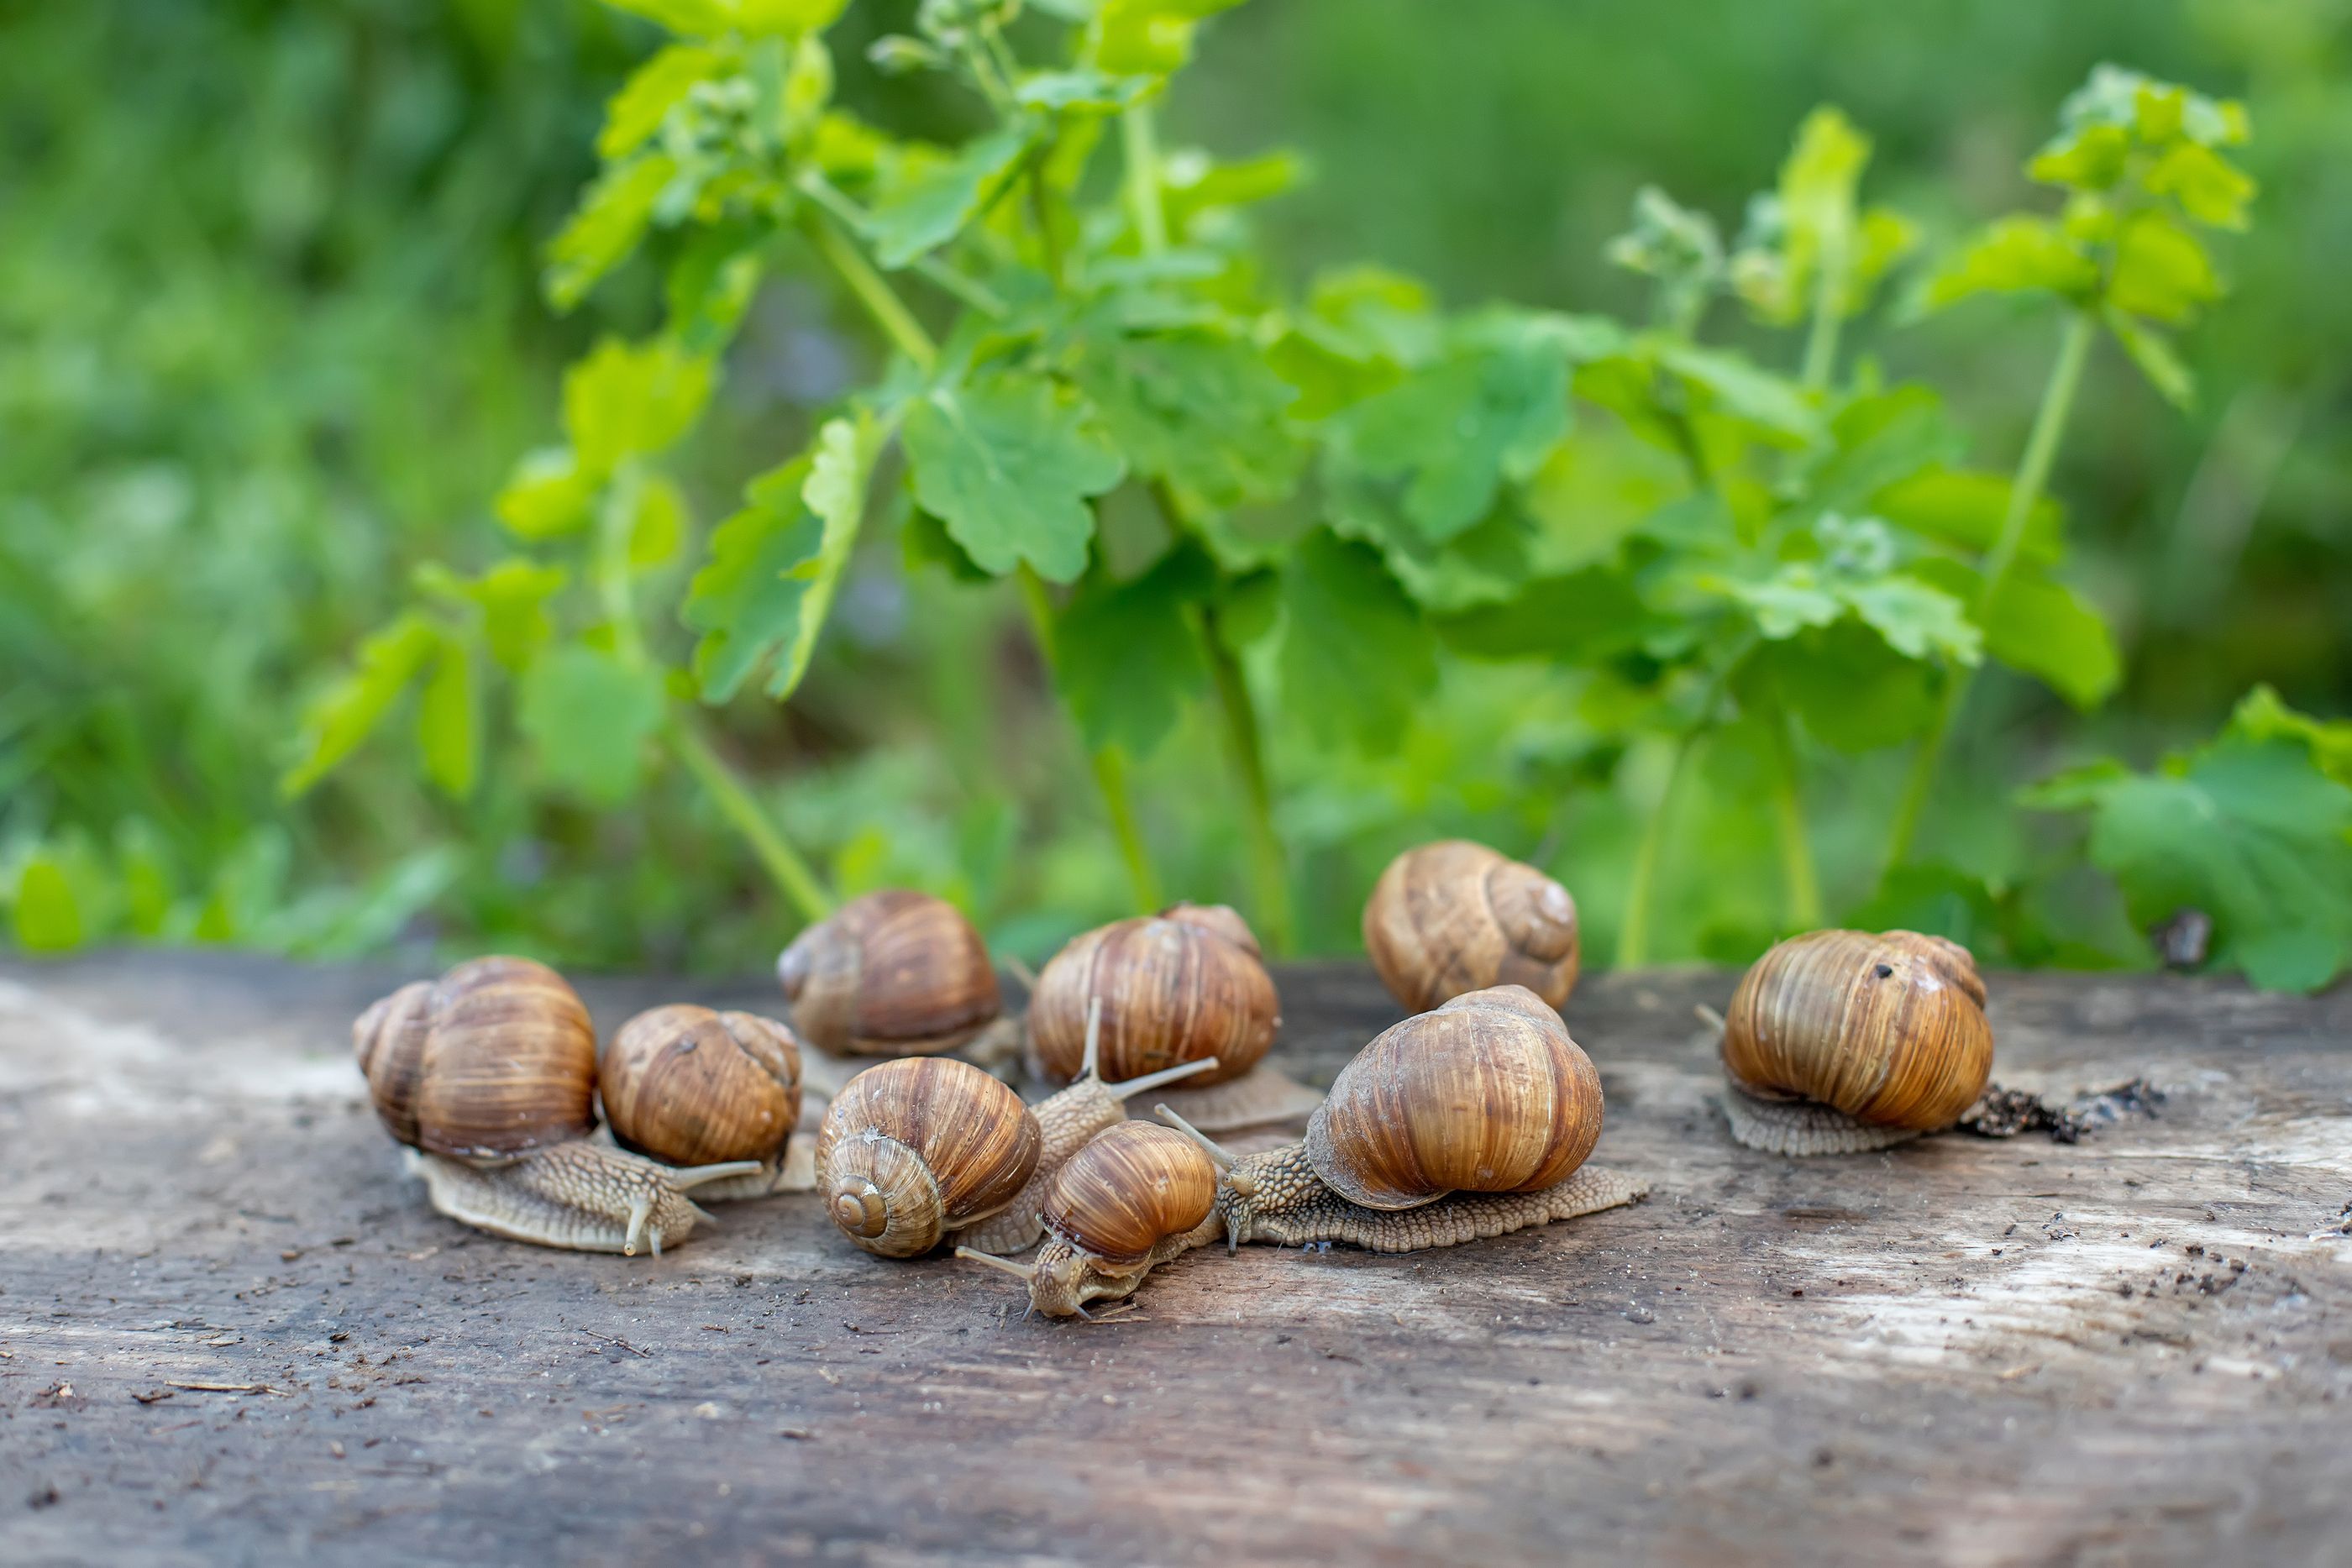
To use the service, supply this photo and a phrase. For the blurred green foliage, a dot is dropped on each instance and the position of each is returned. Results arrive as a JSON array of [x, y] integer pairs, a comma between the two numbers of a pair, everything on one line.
[[271, 335]]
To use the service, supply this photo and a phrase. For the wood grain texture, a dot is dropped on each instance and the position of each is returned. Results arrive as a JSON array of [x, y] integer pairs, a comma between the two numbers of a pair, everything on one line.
[[2134, 1349]]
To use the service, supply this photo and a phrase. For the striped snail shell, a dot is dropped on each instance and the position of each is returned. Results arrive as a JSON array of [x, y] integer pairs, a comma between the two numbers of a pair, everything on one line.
[[1888, 1029], [691, 1086], [1132, 1186], [1487, 1093], [1455, 916], [912, 1149], [1176, 987], [495, 1058], [893, 973]]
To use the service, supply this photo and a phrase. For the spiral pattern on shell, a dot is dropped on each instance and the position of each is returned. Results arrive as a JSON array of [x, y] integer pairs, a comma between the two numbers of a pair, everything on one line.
[[495, 1058], [1175, 986], [911, 1149], [695, 1087], [1487, 1093], [893, 973], [1453, 916], [1889, 1029], [1132, 1186]]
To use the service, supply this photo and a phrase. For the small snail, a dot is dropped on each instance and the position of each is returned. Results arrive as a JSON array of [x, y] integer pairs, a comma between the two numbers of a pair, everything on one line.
[[688, 1086], [489, 1072], [913, 1151], [893, 973], [1180, 986], [1457, 917], [1467, 1122], [1842, 1041]]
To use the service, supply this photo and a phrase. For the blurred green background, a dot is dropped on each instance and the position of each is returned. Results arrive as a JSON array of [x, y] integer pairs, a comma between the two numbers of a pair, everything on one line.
[[270, 335]]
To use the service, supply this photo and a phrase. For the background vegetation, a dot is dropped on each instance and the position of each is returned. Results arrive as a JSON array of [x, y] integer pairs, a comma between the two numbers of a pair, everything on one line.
[[272, 336]]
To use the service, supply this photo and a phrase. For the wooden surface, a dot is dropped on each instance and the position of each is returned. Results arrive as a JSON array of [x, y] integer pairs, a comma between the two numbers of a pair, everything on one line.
[[2135, 1348]]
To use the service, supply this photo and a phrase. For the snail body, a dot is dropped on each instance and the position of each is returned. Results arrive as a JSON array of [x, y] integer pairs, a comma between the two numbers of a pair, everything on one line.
[[1840, 1042], [489, 1074], [1467, 1122], [1453, 916], [892, 973], [1181, 986]]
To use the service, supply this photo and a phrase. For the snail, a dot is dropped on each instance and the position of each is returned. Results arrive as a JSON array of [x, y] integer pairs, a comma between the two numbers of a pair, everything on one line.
[[1843, 1041], [893, 973], [1179, 985], [911, 1152], [687, 1086], [1469, 1121], [1455, 916], [489, 1073]]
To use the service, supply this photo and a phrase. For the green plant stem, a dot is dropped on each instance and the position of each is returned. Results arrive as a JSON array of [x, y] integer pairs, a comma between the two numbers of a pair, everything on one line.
[[873, 291], [2024, 494], [931, 269], [1246, 751], [1799, 876], [784, 865], [1641, 896], [1822, 341], [1139, 143], [1109, 764], [1040, 209]]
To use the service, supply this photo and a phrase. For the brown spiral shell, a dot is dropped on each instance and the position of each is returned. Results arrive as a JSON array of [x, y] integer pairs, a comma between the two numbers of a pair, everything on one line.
[[1889, 1029], [893, 973], [694, 1087], [1132, 1186], [497, 1057], [1487, 1093], [1455, 916], [912, 1149], [1176, 987]]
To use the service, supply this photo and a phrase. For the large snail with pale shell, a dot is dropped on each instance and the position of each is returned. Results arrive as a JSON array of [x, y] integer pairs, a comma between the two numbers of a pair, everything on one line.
[[1455, 916], [919, 1150], [491, 1075], [1842, 1041], [1469, 1121]]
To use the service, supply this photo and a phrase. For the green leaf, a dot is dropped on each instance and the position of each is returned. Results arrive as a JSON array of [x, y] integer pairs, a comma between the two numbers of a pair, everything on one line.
[[609, 222], [775, 565], [1453, 432], [2040, 627], [933, 207], [1356, 657], [352, 708], [1127, 655], [47, 917], [2260, 716], [1744, 390], [1964, 506], [1007, 462], [1081, 89], [1918, 622], [626, 400], [2161, 270], [694, 17], [2153, 353], [2209, 187], [448, 723], [657, 529], [588, 715], [791, 18], [1850, 691], [653, 89], [1201, 413], [1147, 37], [1578, 618], [2250, 832], [547, 497], [2016, 255], [510, 599]]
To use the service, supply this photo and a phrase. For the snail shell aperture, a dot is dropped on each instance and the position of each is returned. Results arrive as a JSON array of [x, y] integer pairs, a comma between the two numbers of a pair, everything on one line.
[[912, 1149]]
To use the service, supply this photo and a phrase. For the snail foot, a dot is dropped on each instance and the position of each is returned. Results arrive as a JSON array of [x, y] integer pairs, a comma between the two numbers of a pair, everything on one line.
[[1802, 1127]]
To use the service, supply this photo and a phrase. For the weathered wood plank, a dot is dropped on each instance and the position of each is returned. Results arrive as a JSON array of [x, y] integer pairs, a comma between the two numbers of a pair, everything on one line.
[[2133, 1349]]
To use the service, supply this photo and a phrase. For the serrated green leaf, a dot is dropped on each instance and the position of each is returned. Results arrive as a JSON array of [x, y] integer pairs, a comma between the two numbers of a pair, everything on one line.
[[933, 207], [2161, 270], [2015, 255], [448, 721], [1577, 618], [2209, 187], [547, 497], [1850, 690], [1744, 390], [1201, 413], [1081, 89], [924, 541], [1127, 655], [628, 400], [47, 916], [1356, 657], [611, 220], [653, 89], [513, 595], [345, 714], [2260, 716], [1787, 602], [657, 525], [1965, 507], [1147, 37], [588, 716], [840, 470], [1007, 462], [791, 18], [1918, 619], [694, 17], [2040, 627], [1452, 433], [2247, 831]]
